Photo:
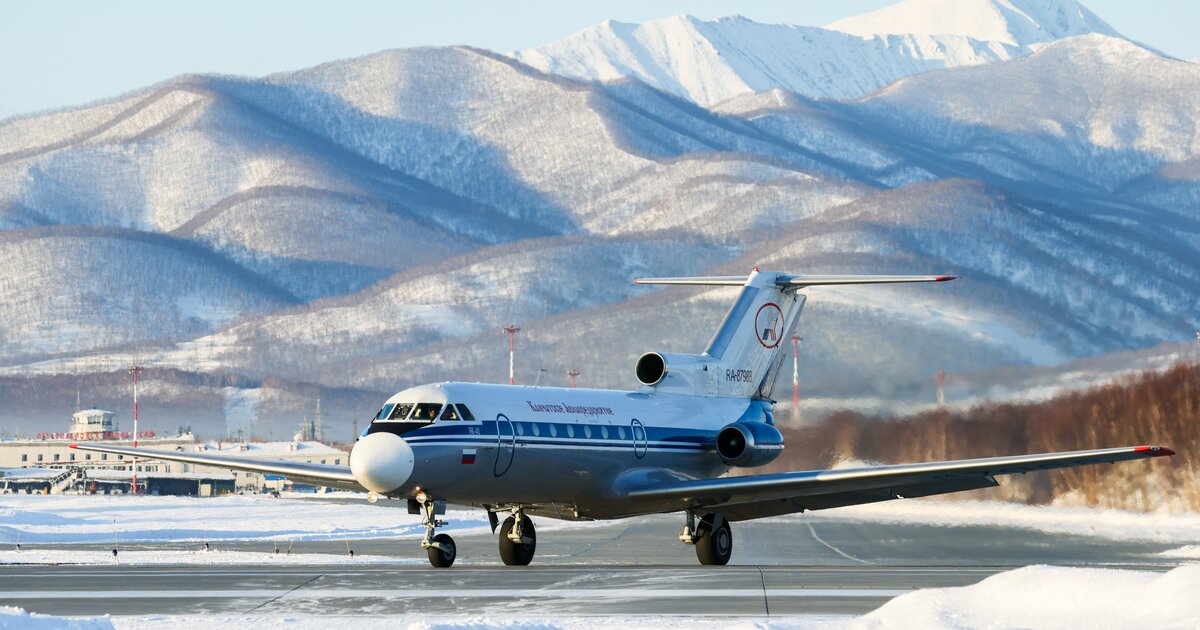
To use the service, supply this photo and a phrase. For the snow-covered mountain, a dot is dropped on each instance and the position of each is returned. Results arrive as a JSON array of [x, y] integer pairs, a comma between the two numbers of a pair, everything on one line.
[[713, 61], [1020, 23], [357, 227]]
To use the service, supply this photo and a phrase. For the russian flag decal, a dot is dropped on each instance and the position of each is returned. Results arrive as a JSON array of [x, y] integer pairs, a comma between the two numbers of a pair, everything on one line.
[[468, 456]]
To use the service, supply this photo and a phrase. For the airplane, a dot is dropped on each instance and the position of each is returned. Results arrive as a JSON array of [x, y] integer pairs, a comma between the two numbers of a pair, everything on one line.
[[591, 454]]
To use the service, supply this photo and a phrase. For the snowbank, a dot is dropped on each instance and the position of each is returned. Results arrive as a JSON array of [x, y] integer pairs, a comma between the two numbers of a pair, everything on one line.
[[1051, 597], [1187, 552], [17, 618]]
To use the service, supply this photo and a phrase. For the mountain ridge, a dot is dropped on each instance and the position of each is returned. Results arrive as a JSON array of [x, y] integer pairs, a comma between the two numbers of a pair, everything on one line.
[[711, 61], [412, 202]]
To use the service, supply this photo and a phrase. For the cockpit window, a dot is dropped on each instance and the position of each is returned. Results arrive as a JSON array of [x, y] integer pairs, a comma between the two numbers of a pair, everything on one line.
[[426, 412], [383, 413], [465, 413], [401, 411], [449, 413]]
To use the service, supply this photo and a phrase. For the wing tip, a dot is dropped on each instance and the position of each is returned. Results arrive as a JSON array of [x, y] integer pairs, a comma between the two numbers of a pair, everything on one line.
[[945, 278], [1154, 451], [73, 445]]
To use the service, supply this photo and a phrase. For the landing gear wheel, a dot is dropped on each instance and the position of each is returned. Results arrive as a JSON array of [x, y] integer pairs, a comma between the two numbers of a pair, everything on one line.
[[714, 546], [515, 553], [443, 555]]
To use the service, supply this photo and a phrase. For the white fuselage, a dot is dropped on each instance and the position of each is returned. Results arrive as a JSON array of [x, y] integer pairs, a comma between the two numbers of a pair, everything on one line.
[[566, 451]]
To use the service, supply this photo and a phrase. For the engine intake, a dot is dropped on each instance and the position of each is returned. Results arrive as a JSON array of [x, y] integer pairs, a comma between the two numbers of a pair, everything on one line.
[[680, 373], [749, 444], [651, 368]]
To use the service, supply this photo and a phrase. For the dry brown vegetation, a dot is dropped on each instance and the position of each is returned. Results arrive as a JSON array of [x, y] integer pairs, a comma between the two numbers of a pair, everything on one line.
[[1153, 408]]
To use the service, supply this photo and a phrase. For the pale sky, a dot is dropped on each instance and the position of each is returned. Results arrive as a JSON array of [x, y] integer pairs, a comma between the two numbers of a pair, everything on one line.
[[57, 53]]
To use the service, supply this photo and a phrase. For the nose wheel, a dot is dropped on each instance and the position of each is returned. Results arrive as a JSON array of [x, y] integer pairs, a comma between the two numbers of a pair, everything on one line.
[[441, 551], [439, 547], [518, 540]]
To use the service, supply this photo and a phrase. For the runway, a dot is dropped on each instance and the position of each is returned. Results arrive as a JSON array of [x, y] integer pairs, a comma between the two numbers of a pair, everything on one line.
[[791, 566]]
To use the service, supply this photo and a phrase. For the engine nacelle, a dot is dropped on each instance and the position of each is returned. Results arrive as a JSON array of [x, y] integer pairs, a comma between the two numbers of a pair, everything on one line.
[[749, 444], [683, 373]]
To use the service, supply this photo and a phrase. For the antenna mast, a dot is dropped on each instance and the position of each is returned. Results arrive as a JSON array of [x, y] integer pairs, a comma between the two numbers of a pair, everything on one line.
[[135, 370], [512, 330]]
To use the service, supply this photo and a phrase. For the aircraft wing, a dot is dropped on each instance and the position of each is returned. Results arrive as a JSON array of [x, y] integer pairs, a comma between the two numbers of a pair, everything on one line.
[[757, 496], [316, 474]]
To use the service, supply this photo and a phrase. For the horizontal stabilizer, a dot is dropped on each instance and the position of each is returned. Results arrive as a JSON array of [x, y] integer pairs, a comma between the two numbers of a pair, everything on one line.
[[793, 282]]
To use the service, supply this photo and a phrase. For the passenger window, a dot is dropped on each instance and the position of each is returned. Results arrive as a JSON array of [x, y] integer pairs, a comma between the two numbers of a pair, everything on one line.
[[426, 412], [536, 430], [621, 432], [520, 428], [385, 412], [449, 413], [604, 432], [570, 431], [587, 430], [553, 431]]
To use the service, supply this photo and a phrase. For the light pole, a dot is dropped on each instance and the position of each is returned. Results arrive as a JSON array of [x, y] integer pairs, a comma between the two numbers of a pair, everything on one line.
[[512, 330], [572, 373], [135, 370]]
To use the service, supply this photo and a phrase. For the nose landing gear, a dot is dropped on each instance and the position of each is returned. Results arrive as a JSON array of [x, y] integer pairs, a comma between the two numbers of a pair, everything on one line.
[[518, 539], [440, 547], [713, 538]]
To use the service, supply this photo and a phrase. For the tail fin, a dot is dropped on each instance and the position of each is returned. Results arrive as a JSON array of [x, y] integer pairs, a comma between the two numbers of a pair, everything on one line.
[[745, 352]]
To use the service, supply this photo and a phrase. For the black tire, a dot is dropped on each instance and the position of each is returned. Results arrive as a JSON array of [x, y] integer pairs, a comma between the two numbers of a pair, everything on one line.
[[517, 554], [714, 546], [444, 557]]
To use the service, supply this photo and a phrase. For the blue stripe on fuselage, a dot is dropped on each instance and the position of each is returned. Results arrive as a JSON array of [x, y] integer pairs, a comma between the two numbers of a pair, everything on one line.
[[674, 438]]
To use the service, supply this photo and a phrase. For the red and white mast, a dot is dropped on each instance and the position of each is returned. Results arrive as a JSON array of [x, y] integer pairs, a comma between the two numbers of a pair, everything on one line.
[[512, 330], [135, 370]]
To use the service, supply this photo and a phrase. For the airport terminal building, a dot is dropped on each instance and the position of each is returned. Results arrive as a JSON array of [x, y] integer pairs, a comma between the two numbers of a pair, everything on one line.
[[45, 463]]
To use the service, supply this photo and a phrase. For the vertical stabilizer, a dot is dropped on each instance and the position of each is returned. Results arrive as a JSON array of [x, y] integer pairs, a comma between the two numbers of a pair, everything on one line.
[[747, 345], [745, 356]]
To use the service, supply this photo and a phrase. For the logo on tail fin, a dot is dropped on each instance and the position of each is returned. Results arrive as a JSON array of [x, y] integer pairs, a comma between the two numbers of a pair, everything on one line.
[[768, 323]]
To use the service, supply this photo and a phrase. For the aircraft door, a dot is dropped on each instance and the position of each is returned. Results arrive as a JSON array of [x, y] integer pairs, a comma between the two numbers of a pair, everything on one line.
[[640, 442], [506, 443]]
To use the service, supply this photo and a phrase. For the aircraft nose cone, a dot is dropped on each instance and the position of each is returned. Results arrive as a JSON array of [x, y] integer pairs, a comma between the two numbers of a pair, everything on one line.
[[381, 462]]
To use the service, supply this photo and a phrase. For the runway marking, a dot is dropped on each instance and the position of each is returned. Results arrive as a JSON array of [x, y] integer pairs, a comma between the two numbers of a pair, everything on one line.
[[282, 595], [839, 552], [583, 594], [766, 600]]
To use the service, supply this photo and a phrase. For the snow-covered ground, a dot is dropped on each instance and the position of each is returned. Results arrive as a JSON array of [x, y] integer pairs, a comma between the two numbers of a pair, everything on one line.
[[1029, 597], [127, 519], [197, 556], [1107, 524]]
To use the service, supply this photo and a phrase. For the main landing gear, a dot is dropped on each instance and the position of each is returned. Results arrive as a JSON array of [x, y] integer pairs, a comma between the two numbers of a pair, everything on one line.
[[518, 539], [712, 537], [440, 547]]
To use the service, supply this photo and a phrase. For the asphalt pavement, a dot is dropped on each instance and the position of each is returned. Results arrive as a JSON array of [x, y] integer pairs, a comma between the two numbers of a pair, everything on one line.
[[790, 566]]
